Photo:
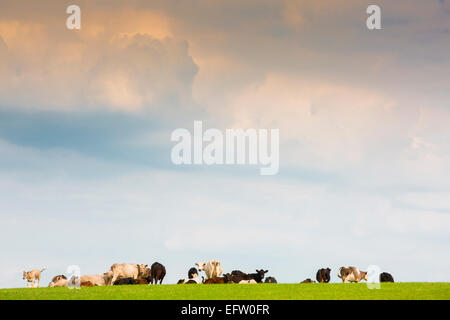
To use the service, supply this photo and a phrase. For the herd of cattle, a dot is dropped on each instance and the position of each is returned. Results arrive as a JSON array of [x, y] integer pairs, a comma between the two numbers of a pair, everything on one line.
[[126, 273]]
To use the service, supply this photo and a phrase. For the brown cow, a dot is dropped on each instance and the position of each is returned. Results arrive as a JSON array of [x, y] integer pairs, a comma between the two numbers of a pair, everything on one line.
[[58, 281], [352, 274]]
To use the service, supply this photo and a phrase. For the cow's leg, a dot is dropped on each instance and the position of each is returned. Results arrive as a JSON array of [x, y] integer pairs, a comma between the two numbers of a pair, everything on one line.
[[114, 278]]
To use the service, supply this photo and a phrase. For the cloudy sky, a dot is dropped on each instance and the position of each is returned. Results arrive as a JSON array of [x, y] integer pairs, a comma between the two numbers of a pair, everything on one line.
[[86, 117]]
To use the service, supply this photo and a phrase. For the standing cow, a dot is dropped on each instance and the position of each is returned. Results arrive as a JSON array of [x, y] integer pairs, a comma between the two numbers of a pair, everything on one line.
[[158, 272], [212, 268], [32, 276], [323, 275], [352, 274], [125, 270]]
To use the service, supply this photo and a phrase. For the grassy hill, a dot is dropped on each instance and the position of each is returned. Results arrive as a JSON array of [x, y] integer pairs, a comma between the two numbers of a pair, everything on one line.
[[409, 291]]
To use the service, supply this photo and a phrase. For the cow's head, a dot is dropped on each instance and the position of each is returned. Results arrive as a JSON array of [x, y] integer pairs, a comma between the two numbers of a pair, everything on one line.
[[261, 273], [24, 275], [227, 278], [364, 275], [201, 266], [141, 268]]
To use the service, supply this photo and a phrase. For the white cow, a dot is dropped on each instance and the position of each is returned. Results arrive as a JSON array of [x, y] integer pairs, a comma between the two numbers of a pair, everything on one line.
[[125, 270], [212, 268], [32, 276]]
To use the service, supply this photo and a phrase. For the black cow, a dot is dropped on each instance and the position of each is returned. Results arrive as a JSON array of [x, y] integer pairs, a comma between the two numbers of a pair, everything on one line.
[[237, 276], [386, 277], [270, 280], [323, 275], [238, 273], [123, 281], [158, 272]]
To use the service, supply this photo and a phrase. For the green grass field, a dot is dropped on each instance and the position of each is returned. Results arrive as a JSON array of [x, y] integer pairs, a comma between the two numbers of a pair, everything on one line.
[[408, 291]]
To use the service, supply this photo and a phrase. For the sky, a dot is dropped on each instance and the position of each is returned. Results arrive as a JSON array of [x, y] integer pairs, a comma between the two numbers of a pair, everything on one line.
[[86, 117]]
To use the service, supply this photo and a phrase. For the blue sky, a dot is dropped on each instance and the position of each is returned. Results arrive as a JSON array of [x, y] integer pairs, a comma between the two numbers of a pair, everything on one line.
[[86, 118]]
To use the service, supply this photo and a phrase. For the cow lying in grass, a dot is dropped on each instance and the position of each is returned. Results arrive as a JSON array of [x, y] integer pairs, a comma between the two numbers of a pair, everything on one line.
[[58, 281], [238, 276], [90, 280], [386, 277], [193, 278], [216, 280], [270, 280]]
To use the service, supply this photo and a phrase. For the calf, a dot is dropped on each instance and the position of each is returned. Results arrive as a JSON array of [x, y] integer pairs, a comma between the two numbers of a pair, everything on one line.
[[351, 274], [386, 277], [58, 281], [323, 275], [32, 276], [158, 272], [212, 268]]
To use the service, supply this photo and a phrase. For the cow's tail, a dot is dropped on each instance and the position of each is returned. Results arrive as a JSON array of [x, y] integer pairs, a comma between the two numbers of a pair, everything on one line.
[[339, 274]]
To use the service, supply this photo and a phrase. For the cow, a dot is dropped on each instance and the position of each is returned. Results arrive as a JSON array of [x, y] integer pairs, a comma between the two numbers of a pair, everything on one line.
[[323, 275], [192, 273], [145, 277], [212, 268], [216, 280], [308, 281], [125, 270], [237, 276], [90, 280], [352, 274], [270, 280], [32, 276], [58, 281], [386, 277], [124, 281], [158, 272]]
